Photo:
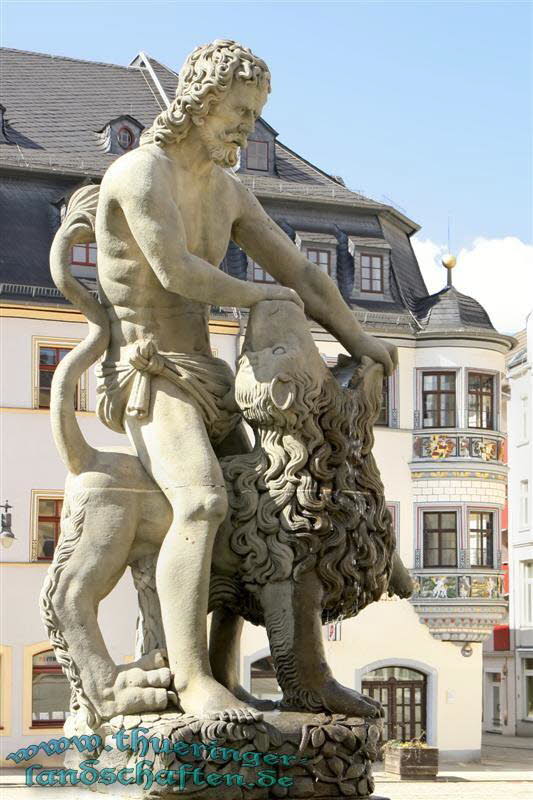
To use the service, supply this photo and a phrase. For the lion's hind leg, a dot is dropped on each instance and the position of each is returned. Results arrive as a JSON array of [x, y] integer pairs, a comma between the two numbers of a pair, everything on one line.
[[97, 531]]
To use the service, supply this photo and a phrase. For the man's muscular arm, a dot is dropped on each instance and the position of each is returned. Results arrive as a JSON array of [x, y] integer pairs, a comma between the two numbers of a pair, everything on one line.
[[146, 198], [269, 246]]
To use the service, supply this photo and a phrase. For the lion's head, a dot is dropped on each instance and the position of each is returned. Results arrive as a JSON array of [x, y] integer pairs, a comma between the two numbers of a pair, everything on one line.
[[309, 496]]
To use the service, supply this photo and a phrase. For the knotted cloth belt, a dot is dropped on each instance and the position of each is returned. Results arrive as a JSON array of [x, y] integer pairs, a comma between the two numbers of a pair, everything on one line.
[[125, 388]]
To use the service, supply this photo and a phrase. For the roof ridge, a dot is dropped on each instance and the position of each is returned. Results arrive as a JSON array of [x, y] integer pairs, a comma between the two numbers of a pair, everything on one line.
[[160, 63], [67, 58]]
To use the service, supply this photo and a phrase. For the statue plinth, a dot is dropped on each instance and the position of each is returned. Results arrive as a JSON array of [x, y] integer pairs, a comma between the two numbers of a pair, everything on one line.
[[288, 754]]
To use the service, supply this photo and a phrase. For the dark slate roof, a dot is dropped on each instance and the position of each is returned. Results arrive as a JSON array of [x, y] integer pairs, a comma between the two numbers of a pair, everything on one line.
[[407, 281], [81, 98], [449, 310]]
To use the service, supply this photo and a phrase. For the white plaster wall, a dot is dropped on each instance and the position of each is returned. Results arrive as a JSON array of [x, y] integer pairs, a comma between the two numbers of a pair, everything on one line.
[[16, 354], [390, 632]]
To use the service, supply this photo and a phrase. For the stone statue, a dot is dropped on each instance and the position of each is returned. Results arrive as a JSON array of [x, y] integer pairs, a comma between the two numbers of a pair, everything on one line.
[[305, 536]]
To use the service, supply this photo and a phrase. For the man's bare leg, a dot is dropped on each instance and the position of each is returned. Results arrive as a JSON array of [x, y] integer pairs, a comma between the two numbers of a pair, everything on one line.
[[224, 646], [174, 448]]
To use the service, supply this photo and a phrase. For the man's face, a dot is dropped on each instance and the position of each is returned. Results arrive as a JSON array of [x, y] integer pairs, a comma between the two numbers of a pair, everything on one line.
[[228, 125]]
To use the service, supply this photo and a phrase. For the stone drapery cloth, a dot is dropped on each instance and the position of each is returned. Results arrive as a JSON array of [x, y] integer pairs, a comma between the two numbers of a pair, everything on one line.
[[125, 387]]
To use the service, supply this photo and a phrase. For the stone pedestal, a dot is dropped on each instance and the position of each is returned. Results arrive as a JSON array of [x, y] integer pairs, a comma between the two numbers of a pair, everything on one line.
[[287, 754]]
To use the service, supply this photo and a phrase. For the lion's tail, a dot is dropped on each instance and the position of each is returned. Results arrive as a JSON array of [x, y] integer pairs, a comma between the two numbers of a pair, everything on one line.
[[78, 227]]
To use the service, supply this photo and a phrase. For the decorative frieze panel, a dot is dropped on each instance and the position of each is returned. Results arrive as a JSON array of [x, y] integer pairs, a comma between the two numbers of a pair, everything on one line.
[[458, 607], [445, 587], [438, 446]]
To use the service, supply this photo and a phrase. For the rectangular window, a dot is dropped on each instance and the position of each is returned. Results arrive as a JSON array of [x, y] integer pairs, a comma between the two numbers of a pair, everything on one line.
[[260, 276], [481, 538], [49, 358], [524, 504], [440, 538], [84, 255], [438, 400], [524, 419], [528, 680], [257, 155], [50, 700], [371, 273], [320, 257], [528, 593], [383, 418], [47, 527], [480, 400]]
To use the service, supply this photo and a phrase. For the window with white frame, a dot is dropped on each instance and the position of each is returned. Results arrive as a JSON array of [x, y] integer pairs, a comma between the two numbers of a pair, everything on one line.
[[527, 576], [50, 692], [527, 668], [440, 538], [438, 399], [524, 419], [371, 273], [257, 155], [524, 503], [260, 275], [322, 258], [481, 538], [383, 417], [481, 400]]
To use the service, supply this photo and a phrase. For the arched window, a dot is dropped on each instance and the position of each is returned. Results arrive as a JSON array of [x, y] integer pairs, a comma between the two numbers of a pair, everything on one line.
[[263, 682], [50, 692], [402, 691]]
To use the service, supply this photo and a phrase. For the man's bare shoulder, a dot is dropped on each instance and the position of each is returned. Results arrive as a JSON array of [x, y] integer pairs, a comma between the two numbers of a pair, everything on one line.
[[234, 186], [136, 170]]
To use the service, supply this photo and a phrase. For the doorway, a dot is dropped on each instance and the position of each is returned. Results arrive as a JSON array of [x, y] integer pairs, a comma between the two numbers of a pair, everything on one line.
[[402, 692]]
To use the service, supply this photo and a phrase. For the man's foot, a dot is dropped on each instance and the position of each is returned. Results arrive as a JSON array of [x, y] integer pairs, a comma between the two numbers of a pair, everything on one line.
[[208, 699]]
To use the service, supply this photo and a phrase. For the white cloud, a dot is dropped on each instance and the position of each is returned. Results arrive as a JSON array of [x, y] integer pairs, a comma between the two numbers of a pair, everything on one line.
[[496, 272]]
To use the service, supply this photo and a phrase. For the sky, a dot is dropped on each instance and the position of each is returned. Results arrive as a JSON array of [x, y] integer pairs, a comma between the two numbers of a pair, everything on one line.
[[424, 105]]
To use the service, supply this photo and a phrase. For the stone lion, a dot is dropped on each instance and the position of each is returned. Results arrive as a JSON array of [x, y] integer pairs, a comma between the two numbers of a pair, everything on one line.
[[307, 538]]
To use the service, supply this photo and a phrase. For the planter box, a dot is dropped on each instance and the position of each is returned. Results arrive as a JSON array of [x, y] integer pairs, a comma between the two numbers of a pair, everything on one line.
[[412, 763]]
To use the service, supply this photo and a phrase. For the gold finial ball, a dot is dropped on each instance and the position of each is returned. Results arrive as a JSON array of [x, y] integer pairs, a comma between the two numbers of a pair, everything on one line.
[[449, 261]]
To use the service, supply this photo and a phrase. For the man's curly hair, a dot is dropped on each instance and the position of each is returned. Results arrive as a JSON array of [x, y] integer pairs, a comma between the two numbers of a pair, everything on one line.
[[204, 79]]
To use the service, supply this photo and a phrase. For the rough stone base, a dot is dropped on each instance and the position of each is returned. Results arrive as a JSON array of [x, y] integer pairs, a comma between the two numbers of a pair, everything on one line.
[[326, 756]]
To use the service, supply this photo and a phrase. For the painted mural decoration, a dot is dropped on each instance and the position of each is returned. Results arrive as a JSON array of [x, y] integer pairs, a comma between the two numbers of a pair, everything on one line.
[[438, 447], [464, 587]]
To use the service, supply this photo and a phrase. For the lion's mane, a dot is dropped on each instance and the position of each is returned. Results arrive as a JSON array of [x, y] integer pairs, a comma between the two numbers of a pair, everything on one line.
[[309, 496]]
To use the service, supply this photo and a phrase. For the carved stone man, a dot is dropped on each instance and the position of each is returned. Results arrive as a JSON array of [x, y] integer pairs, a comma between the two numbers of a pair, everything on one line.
[[166, 214]]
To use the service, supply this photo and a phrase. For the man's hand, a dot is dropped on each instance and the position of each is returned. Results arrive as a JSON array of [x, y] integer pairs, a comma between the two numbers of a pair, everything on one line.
[[282, 293], [381, 351]]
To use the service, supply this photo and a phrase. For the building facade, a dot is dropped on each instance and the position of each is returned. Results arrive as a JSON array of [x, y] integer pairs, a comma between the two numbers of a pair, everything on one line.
[[439, 442]]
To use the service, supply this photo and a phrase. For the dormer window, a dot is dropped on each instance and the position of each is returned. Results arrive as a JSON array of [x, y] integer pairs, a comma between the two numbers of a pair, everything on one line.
[[257, 155], [322, 258], [371, 273], [125, 138], [120, 135]]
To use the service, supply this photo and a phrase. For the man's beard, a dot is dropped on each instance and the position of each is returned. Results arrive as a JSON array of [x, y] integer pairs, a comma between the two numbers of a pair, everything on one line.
[[224, 154]]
